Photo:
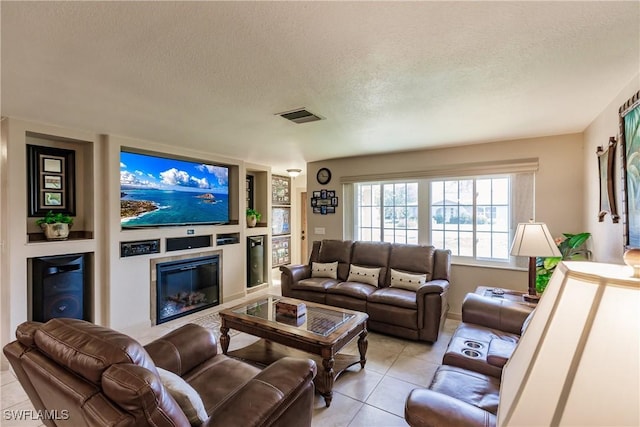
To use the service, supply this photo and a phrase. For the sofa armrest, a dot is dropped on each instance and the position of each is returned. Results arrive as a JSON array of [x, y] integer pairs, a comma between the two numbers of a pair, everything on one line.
[[267, 395], [427, 408], [291, 274], [494, 313], [433, 287], [183, 349]]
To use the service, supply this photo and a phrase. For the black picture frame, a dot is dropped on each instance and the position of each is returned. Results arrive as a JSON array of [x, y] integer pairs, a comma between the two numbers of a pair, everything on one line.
[[51, 180], [606, 159], [629, 114], [324, 202]]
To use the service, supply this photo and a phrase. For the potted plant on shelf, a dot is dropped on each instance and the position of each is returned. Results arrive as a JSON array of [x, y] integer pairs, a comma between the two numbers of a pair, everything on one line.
[[253, 216], [55, 225]]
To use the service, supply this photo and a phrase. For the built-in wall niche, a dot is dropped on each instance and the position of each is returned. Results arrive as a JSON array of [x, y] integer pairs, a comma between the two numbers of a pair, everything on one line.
[[257, 193], [60, 179]]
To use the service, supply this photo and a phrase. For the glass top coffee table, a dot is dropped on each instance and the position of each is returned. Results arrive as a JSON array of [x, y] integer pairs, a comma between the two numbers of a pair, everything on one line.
[[323, 331]]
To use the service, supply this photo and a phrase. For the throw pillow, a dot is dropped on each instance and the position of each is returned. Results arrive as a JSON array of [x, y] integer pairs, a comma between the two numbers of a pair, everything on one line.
[[326, 269], [185, 396], [409, 281], [363, 275]]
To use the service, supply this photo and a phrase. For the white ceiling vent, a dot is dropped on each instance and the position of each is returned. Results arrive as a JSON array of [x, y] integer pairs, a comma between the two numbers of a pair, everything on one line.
[[300, 116]]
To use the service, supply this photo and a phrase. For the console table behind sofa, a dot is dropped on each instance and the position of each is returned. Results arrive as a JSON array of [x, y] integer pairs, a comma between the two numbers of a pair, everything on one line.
[[415, 312]]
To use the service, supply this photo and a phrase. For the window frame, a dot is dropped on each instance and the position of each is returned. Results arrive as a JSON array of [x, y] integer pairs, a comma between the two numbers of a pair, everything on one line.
[[352, 228]]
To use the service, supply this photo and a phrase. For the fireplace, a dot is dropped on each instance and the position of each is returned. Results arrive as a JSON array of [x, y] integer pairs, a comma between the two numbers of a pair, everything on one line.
[[185, 286]]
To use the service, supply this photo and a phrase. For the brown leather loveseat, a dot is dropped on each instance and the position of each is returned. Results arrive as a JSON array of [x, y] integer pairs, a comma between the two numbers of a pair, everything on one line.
[[81, 374], [403, 288], [465, 389]]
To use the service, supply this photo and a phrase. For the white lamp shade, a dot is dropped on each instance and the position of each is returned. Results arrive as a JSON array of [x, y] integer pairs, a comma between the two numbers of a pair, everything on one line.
[[533, 239], [578, 362]]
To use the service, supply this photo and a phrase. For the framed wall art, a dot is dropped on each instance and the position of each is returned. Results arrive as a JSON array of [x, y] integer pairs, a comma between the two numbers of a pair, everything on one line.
[[280, 251], [280, 190], [281, 220], [51, 175], [606, 161], [324, 202], [629, 114]]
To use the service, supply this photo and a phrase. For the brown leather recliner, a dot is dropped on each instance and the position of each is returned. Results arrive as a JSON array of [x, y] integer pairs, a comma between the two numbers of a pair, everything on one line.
[[80, 374], [465, 390]]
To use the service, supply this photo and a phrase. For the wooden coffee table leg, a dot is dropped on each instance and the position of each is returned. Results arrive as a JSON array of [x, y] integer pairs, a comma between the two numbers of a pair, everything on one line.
[[224, 339], [327, 379], [363, 344]]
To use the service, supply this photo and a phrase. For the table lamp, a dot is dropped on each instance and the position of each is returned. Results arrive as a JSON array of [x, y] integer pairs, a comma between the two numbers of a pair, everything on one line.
[[577, 363], [533, 239]]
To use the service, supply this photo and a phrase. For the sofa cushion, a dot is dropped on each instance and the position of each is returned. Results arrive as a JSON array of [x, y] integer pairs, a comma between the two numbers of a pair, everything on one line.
[[324, 269], [394, 296], [317, 284], [88, 349], [372, 254], [476, 389], [352, 289], [406, 280], [336, 250], [185, 396], [413, 258], [368, 275]]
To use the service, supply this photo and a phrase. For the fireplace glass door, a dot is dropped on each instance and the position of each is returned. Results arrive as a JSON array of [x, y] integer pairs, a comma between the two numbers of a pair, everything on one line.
[[186, 286]]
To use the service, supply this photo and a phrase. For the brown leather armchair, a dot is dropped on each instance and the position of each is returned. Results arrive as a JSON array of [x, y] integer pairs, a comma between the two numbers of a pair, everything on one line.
[[84, 374]]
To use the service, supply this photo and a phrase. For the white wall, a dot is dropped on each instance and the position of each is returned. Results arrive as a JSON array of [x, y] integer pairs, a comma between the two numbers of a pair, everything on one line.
[[558, 195], [608, 237]]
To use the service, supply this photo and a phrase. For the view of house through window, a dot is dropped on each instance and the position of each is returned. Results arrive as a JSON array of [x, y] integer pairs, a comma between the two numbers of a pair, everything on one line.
[[471, 216]]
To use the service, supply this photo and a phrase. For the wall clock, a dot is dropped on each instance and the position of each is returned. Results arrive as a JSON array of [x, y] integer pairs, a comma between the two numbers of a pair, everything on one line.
[[323, 176]]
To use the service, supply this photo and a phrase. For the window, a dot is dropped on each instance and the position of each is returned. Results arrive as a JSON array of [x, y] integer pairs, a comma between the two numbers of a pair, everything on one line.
[[387, 212], [471, 217], [471, 210]]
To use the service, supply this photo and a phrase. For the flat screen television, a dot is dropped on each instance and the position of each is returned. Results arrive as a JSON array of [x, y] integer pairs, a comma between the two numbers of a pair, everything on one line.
[[158, 191]]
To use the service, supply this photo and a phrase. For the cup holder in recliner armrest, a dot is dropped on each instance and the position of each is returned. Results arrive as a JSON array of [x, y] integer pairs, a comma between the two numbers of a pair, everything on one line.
[[471, 353], [473, 344]]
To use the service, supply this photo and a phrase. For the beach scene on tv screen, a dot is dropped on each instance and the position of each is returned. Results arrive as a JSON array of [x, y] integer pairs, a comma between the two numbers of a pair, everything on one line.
[[157, 191]]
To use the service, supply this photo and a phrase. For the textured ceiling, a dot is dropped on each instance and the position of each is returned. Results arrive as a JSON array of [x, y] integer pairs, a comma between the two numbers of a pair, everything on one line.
[[386, 75]]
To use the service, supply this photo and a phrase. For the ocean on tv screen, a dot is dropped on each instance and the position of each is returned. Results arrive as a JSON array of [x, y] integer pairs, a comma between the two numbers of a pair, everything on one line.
[[156, 191]]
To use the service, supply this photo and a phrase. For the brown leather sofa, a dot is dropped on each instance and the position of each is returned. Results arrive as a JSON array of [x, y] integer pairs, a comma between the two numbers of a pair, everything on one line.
[[465, 389], [84, 374], [415, 314]]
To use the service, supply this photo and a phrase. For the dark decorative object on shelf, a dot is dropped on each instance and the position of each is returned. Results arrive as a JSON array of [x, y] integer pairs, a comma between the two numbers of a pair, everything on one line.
[[629, 114], [606, 160], [51, 174], [324, 202]]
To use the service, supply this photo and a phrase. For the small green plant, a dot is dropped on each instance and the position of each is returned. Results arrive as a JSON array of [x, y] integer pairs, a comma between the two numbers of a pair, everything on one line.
[[54, 218], [572, 247], [253, 212]]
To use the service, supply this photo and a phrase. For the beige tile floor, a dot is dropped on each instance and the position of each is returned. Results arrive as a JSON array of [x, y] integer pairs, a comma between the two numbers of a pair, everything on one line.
[[373, 396]]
